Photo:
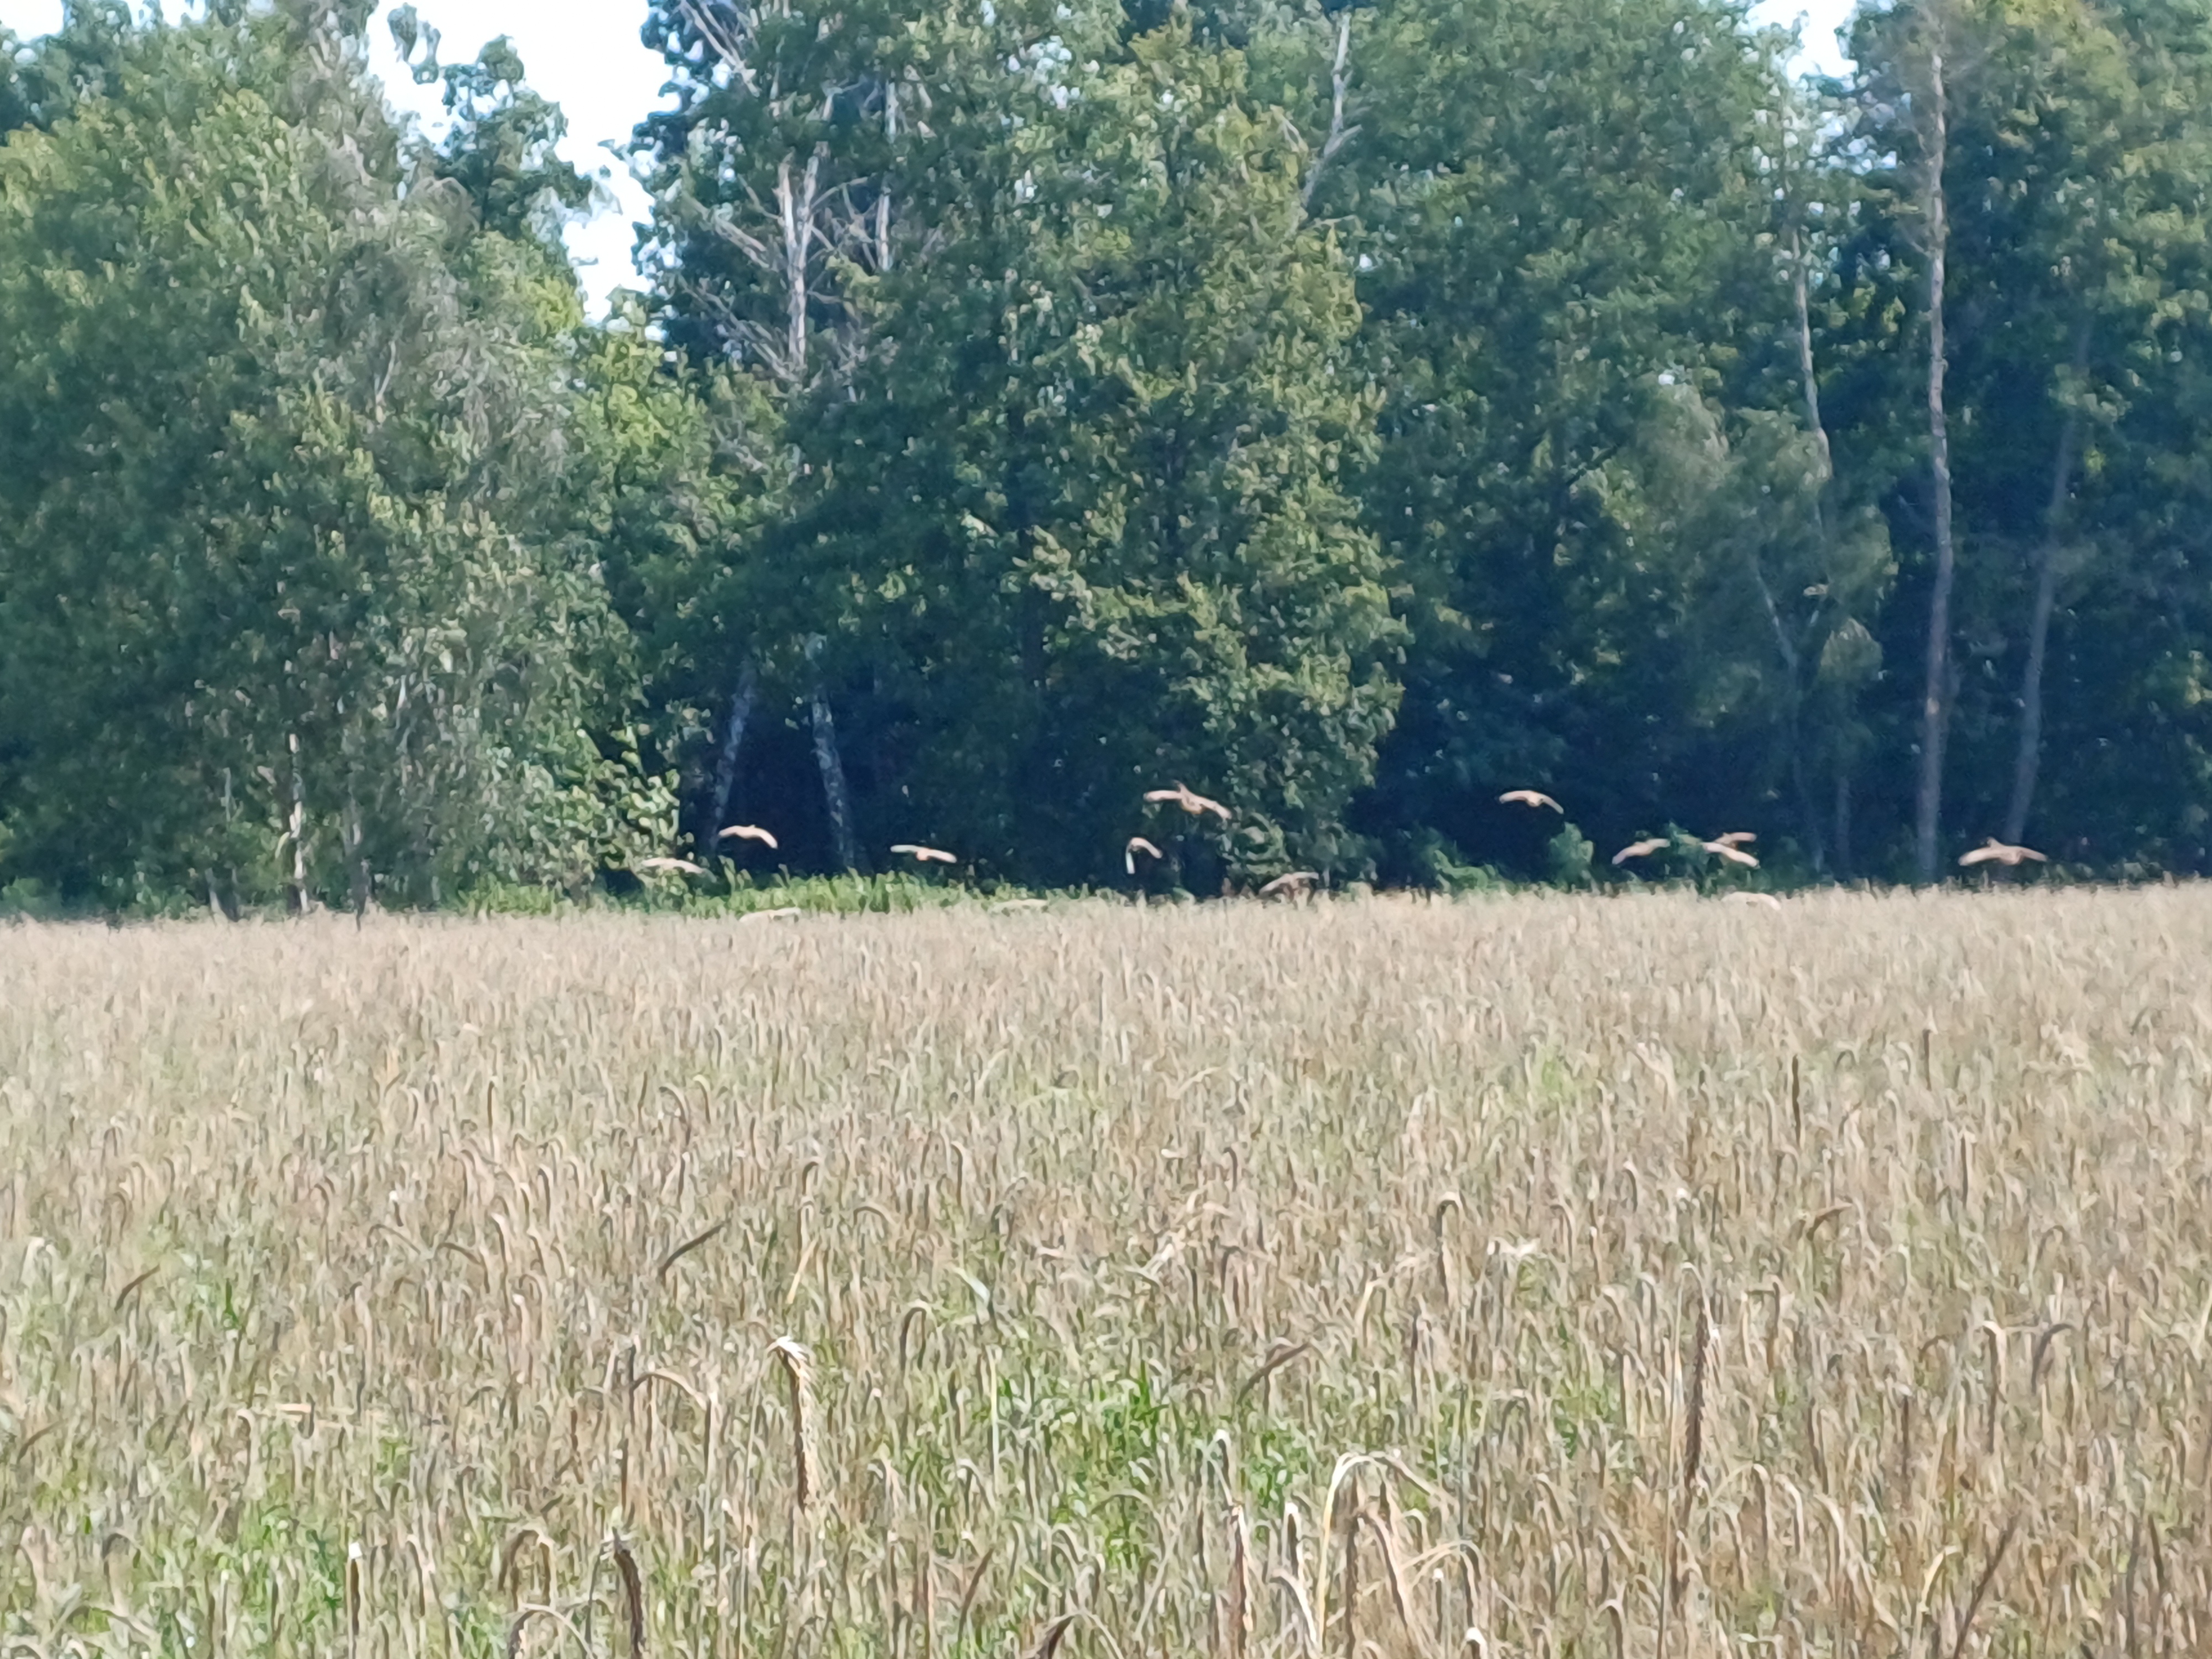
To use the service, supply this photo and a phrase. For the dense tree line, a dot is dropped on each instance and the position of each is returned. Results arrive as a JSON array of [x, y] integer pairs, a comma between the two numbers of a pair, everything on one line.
[[1351, 412]]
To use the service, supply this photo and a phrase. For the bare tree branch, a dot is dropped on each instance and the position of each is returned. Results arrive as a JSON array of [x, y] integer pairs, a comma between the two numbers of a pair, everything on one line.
[[726, 42], [1338, 133]]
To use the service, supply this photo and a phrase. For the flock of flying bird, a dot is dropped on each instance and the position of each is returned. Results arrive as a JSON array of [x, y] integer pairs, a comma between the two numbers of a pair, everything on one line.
[[1181, 795], [1729, 848]]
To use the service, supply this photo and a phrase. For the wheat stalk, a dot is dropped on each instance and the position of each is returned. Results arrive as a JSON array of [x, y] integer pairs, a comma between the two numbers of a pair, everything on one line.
[[798, 1365], [1080, 1206], [1239, 1612], [633, 1592]]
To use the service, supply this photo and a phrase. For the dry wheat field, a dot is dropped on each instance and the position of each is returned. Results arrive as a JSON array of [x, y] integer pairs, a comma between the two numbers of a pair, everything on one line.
[[1546, 1276]]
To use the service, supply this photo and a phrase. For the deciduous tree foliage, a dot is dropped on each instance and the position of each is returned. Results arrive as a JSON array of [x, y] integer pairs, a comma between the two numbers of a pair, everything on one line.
[[294, 588], [2076, 180], [1071, 515], [1350, 412]]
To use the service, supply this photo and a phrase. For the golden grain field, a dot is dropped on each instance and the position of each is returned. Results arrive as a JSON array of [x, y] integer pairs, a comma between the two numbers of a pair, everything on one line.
[[1545, 1276]]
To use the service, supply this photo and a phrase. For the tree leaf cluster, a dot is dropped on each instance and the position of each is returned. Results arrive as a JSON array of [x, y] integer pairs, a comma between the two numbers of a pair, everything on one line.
[[1351, 413]]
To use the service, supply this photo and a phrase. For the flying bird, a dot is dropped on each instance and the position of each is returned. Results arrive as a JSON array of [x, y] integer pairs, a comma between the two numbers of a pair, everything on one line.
[[1189, 799], [662, 866], [1137, 844], [1731, 851], [924, 854], [1641, 849], [1737, 837], [1767, 900], [1530, 798], [1296, 882], [1994, 851], [749, 832]]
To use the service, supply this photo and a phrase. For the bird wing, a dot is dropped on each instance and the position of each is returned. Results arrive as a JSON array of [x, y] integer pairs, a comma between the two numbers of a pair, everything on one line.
[[938, 853], [1979, 856], [2029, 853], [1165, 794], [1202, 804], [1530, 798], [1637, 849], [1737, 837]]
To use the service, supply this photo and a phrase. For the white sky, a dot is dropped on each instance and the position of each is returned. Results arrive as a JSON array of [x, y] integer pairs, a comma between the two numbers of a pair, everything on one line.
[[585, 55]]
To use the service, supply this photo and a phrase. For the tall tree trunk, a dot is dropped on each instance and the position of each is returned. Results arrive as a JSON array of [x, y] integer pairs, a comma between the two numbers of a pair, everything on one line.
[[883, 210], [795, 208], [296, 898], [1936, 705], [1792, 657], [726, 762], [834, 795], [2029, 758], [1809, 381], [1786, 648], [358, 876]]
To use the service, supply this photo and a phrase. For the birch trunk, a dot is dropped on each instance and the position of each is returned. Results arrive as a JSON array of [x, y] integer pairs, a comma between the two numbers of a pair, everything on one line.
[[1792, 658], [834, 795], [2028, 759], [296, 899], [358, 878], [726, 762]]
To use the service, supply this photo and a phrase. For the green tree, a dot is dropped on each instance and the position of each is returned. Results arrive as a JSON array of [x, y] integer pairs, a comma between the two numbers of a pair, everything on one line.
[[1082, 523], [2076, 155], [287, 568], [1563, 219], [1067, 519]]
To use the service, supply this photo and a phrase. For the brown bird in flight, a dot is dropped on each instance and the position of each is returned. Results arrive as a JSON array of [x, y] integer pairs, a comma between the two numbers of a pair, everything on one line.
[[1640, 849], [658, 867], [1731, 851], [1994, 851], [1530, 798], [1737, 837], [1137, 844], [1296, 882], [749, 832], [1189, 799], [924, 854]]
